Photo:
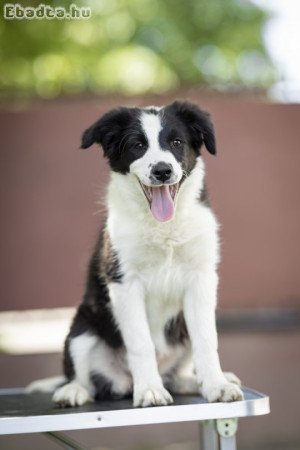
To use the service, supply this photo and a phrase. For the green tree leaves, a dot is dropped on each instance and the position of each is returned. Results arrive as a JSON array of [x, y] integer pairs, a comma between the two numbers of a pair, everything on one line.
[[136, 46]]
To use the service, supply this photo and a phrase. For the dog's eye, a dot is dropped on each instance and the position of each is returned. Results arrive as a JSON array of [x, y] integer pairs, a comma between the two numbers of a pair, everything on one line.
[[139, 146], [177, 143]]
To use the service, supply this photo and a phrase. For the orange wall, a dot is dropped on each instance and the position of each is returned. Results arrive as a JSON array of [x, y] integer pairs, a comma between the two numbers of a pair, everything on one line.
[[50, 192]]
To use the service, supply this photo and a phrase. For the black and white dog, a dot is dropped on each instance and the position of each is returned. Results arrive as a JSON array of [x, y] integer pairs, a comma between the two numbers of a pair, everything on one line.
[[149, 304]]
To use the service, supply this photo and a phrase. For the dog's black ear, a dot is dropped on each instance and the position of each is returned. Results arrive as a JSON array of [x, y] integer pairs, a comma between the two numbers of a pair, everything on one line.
[[198, 123], [89, 136], [107, 130]]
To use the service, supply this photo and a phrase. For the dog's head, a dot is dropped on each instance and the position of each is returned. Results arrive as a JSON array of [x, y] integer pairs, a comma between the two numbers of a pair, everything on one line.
[[157, 145]]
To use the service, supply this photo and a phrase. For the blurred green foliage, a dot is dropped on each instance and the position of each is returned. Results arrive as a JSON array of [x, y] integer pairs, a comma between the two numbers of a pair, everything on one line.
[[135, 46]]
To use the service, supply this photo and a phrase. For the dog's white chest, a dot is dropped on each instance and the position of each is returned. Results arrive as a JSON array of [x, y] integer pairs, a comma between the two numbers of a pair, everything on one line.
[[164, 257], [162, 272], [163, 302]]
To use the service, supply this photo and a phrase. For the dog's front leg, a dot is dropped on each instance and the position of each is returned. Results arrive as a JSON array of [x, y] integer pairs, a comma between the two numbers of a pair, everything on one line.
[[129, 310], [199, 312]]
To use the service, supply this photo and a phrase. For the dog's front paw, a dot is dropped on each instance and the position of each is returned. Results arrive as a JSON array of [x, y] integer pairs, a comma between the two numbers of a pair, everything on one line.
[[232, 378], [71, 394], [151, 396], [224, 392]]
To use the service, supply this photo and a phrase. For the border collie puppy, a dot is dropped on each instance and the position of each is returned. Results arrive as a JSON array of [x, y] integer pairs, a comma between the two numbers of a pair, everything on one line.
[[150, 299]]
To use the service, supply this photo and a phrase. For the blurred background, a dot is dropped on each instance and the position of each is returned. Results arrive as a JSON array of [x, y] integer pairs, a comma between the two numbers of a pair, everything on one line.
[[238, 59]]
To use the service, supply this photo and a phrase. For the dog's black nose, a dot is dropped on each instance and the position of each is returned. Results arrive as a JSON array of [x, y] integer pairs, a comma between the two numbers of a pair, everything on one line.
[[162, 171]]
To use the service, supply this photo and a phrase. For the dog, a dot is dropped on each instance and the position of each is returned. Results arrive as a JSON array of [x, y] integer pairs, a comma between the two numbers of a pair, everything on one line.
[[146, 326]]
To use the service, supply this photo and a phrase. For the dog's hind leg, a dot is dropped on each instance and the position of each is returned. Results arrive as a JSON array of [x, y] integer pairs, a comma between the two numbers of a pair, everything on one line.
[[94, 370], [79, 390]]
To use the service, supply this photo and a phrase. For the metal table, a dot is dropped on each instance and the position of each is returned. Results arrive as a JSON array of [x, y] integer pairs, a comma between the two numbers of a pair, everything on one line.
[[34, 413]]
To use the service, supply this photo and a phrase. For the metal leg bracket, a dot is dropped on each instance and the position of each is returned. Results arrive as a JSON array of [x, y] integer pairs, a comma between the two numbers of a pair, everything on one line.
[[219, 434]]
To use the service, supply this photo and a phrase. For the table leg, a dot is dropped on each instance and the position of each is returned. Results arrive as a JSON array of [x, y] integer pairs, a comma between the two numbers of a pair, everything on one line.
[[218, 434], [64, 441], [227, 429], [209, 435], [227, 443]]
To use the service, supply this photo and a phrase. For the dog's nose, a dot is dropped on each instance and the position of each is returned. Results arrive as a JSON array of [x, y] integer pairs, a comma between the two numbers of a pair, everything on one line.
[[162, 171]]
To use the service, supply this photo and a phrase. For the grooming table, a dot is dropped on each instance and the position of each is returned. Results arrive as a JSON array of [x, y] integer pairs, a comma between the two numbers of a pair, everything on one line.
[[34, 413]]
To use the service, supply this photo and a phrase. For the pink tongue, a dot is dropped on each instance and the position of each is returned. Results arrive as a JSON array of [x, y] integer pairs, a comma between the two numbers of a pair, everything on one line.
[[162, 205]]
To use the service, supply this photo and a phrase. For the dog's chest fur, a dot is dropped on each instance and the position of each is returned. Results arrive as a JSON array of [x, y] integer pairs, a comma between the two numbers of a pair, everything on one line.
[[165, 257]]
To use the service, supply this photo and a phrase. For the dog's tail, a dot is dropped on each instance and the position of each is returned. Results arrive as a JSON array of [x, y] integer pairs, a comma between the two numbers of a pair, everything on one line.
[[48, 385]]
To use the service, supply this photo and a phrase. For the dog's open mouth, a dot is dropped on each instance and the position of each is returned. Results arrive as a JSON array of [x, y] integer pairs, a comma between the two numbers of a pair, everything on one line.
[[161, 200]]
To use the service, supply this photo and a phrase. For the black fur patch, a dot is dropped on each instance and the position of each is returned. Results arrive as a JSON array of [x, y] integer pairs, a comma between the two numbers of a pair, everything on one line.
[[196, 122], [104, 388], [102, 385], [67, 361], [204, 197], [94, 314], [175, 330], [118, 132], [109, 265]]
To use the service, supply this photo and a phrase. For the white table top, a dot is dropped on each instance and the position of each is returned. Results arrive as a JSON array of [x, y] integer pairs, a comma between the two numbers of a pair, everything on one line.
[[33, 413]]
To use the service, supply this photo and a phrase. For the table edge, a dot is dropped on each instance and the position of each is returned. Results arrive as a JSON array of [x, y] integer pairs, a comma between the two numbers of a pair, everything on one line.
[[136, 416]]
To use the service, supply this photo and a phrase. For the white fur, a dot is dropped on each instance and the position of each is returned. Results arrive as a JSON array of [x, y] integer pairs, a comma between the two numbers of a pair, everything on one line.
[[72, 394], [166, 267], [80, 390], [45, 384]]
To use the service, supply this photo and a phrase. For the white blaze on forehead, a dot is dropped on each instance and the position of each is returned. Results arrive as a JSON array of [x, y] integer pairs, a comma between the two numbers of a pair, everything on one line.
[[151, 125], [141, 167], [157, 108]]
